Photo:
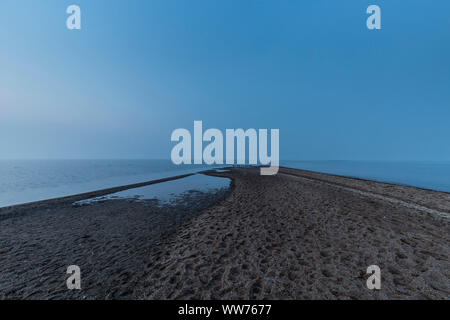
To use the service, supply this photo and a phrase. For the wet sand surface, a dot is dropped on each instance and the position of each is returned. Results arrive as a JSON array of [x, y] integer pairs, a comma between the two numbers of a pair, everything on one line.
[[110, 241], [296, 235]]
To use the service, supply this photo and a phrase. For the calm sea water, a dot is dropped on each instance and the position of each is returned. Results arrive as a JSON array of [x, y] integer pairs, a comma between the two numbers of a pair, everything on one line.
[[427, 175], [23, 181]]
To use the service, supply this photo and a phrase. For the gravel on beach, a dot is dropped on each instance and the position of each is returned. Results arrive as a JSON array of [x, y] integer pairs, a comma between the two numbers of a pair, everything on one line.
[[295, 235]]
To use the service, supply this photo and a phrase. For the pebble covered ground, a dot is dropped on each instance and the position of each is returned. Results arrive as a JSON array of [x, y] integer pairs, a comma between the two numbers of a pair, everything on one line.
[[270, 237]]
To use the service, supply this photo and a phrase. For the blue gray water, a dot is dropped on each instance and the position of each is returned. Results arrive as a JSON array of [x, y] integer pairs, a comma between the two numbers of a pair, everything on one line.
[[421, 174], [23, 181], [167, 192]]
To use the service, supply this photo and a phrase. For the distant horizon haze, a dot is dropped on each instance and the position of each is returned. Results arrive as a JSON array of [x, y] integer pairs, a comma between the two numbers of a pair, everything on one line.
[[137, 70]]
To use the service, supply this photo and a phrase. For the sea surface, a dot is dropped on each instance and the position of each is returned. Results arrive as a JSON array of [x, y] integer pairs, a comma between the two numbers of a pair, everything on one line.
[[421, 174], [23, 181]]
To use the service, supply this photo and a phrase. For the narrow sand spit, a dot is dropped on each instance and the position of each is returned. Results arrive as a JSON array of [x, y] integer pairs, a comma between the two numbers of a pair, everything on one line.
[[411, 205], [296, 235]]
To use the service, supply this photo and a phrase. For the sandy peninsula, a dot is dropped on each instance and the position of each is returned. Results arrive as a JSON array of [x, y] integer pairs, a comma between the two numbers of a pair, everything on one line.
[[296, 235]]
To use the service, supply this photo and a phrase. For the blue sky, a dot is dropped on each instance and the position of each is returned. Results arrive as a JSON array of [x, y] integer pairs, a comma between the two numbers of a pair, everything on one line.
[[140, 69]]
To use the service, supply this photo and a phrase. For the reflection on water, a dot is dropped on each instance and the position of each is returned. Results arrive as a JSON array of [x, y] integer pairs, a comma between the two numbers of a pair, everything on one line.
[[166, 192], [24, 181]]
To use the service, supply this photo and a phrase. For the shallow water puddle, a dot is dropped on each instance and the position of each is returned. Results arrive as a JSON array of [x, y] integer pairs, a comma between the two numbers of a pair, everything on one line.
[[165, 192]]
